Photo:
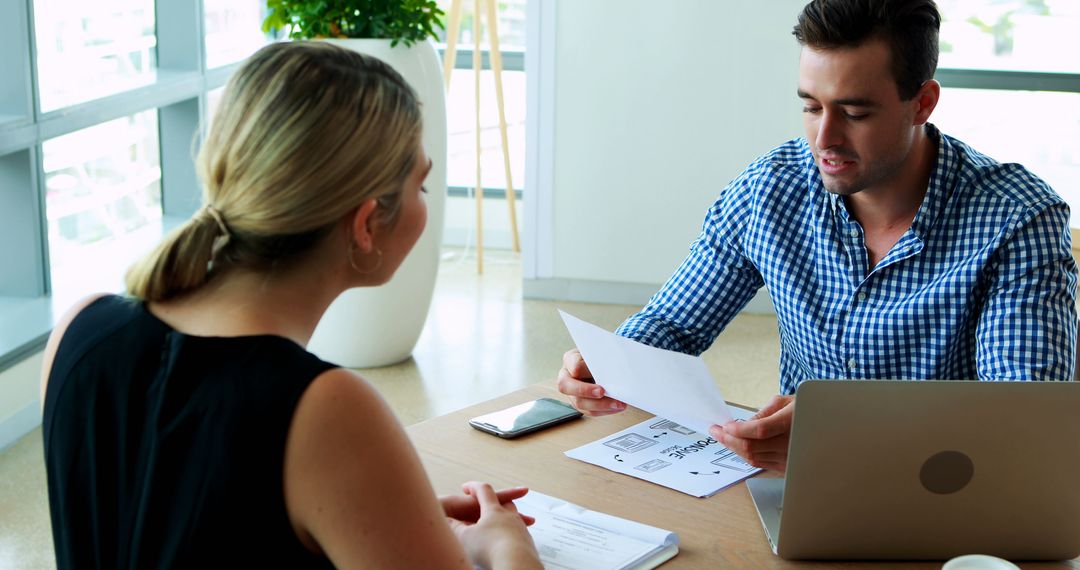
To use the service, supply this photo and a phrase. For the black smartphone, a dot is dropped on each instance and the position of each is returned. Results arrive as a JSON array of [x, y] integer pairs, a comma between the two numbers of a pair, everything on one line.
[[525, 418]]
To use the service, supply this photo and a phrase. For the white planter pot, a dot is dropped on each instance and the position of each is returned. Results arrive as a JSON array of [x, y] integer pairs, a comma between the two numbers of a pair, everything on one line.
[[378, 326]]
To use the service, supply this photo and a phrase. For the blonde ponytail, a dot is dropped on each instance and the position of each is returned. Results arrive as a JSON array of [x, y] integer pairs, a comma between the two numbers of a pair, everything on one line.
[[181, 262], [305, 132]]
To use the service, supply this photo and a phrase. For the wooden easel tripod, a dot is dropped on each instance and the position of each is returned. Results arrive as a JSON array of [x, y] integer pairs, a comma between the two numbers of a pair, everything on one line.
[[496, 65]]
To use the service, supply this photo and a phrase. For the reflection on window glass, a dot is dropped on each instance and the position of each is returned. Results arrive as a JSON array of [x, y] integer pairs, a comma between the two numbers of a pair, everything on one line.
[[461, 128], [1044, 137], [233, 30], [86, 50], [102, 202], [511, 14], [1021, 35]]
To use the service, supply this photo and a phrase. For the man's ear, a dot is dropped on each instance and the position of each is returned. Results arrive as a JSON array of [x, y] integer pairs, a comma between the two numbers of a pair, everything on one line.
[[364, 226], [926, 100]]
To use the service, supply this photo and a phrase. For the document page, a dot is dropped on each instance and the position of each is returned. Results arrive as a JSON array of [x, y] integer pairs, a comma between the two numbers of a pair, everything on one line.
[[669, 454], [668, 384], [571, 537]]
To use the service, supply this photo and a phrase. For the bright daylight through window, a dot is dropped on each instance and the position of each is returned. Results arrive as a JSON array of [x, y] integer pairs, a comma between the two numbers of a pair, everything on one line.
[[102, 202], [87, 50], [1007, 120], [460, 102]]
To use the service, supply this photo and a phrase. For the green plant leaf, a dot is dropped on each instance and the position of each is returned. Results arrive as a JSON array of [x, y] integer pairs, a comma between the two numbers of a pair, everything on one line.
[[407, 21]]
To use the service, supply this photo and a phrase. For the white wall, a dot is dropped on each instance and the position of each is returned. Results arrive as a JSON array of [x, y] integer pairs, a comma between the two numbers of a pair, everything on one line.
[[657, 106]]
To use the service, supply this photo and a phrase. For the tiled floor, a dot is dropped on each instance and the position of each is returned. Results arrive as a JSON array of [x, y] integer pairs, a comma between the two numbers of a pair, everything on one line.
[[481, 340]]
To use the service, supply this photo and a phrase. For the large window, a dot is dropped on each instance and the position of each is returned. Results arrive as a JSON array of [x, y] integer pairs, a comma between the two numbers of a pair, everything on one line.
[[233, 30], [1011, 82], [100, 110], [1039, 129], [461, 125], [86, 50], [461, 103], [1016, 35], [102, 203]]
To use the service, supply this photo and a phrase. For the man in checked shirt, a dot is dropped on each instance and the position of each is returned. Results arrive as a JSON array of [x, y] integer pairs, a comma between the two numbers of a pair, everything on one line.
[[890, 250]]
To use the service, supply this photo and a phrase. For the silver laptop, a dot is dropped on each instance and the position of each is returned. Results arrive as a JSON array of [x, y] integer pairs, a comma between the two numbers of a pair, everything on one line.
[[884, 469]]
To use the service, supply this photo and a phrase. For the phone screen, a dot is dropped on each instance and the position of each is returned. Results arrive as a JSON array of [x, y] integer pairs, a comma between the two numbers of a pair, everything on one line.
[[525, 418]]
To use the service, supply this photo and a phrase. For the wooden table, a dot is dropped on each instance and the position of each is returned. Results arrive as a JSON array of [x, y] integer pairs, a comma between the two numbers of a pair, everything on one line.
[[722, 531]]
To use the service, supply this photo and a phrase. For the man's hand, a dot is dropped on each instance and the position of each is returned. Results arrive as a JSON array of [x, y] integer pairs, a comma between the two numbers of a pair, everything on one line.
[[466, 508], [763, 439], [576, 381]]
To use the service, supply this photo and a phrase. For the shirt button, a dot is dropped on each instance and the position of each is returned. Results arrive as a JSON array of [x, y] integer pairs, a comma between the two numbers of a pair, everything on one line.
[[853, 232], [852, 364], [861, 296]]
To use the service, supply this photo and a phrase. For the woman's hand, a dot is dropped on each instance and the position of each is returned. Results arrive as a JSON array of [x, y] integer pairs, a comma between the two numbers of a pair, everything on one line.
[[497, 537], [466, 508]]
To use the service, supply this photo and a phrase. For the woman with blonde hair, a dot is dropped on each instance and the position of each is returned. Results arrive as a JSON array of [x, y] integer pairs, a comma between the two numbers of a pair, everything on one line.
[[187, 426]]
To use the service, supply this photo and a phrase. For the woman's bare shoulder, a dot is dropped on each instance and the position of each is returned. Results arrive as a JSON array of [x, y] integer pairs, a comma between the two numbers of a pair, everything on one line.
[[355, 488]]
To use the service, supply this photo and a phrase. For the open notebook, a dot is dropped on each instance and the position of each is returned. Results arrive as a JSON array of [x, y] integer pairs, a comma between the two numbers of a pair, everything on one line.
[[569, 536]]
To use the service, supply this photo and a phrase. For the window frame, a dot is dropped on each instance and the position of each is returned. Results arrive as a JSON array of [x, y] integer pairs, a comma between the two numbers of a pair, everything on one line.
[[178, 96]]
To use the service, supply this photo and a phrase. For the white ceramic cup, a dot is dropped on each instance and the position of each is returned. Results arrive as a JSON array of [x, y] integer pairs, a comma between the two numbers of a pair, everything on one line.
[[979, 562]]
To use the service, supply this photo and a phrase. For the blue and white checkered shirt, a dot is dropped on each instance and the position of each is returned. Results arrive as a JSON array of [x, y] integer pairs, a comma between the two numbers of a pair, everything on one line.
[[982, 285]]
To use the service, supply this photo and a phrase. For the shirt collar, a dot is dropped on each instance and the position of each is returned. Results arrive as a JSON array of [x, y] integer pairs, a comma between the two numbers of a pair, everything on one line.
[[942, 178], [942, 182]]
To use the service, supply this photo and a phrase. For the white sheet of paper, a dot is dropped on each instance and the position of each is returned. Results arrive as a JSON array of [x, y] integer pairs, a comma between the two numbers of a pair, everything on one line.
[[669, 384], [668, 454], [569, 536]]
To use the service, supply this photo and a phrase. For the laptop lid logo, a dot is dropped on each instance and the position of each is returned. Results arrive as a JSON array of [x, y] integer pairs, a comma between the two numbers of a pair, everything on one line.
[[946, 472]]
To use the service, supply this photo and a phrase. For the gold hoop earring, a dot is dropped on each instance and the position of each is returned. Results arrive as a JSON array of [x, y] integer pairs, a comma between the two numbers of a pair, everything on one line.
[[352, 260]]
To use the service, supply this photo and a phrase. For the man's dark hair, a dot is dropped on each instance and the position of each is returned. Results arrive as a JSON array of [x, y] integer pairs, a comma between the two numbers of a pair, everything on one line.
[[909, 27]]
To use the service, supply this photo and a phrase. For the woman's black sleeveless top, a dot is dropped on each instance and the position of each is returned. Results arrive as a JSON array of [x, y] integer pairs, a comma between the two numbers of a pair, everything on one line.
[[165, 450]]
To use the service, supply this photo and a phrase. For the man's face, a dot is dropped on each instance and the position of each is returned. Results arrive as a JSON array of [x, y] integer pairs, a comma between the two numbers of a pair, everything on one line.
[[859, 130]]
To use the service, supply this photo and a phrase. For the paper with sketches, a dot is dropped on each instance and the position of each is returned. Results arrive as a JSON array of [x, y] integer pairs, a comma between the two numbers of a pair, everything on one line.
[[669, 384], [668, 454]]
